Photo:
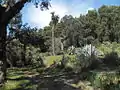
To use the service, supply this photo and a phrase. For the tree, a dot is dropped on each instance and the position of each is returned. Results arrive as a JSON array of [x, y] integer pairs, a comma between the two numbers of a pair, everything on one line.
[[102, 25], [55, 19], [12, 42], [109, 22], [29, 36], [13, 53], [70, 30], [19, 49], [7, 12]]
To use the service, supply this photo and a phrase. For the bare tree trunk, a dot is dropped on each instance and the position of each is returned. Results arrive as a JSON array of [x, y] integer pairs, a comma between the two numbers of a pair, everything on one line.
[[3, 34], [23, 60], [91, 50], [62, 46], [53, 41], [24, 55]]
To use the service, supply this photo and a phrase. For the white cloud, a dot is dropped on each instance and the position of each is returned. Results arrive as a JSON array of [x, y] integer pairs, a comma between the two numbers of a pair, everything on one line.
[[37, 18], [42, 18], [90, 9]]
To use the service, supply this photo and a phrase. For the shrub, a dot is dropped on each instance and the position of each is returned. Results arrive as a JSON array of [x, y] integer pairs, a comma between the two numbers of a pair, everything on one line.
[[112, 59], [107, 47], [105, 80]]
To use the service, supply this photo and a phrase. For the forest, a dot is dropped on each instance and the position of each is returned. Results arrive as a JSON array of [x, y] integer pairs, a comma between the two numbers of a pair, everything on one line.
[[71, 53]]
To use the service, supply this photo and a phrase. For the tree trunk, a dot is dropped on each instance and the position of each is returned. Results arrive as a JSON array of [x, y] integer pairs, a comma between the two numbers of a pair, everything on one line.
[[62, 46], [3, 34], [24, 56], [53, 41], [5, 17]]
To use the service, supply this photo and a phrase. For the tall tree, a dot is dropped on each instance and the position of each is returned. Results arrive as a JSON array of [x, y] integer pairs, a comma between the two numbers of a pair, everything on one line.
[[7, 12], [55, 19]]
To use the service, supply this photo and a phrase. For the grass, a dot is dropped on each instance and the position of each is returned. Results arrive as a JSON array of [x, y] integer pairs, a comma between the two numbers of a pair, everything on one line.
[[50, 59], [84, 85], [11, 85], [17, 73], [16, 79]]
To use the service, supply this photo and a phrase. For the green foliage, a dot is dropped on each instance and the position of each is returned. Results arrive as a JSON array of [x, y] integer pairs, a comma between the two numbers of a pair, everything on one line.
[[33, 56], [26, 48], [71, 61], [42, 4], [82, 62], [95, 27], [50, 59], [19, 78], [11, 85], [105, 80], [14, 52], [100, 28], [112, 59], [108, 47], [105, 48]]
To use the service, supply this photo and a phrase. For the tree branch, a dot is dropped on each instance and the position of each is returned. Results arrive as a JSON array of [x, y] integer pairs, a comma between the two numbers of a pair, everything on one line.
[[10, 39], [8, 15]]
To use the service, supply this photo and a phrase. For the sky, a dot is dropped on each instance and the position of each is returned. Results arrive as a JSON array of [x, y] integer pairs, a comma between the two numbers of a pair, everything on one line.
[[37, 18]]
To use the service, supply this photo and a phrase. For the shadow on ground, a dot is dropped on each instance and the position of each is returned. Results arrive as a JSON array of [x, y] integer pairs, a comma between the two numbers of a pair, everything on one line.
[[61, 81]]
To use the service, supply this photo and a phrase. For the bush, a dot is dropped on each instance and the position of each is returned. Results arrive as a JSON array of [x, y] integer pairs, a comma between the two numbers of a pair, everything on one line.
[[83, 60], [105, 80], [107, 47], [34, 57], [70, 61], [84, 63], [112, 59]]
